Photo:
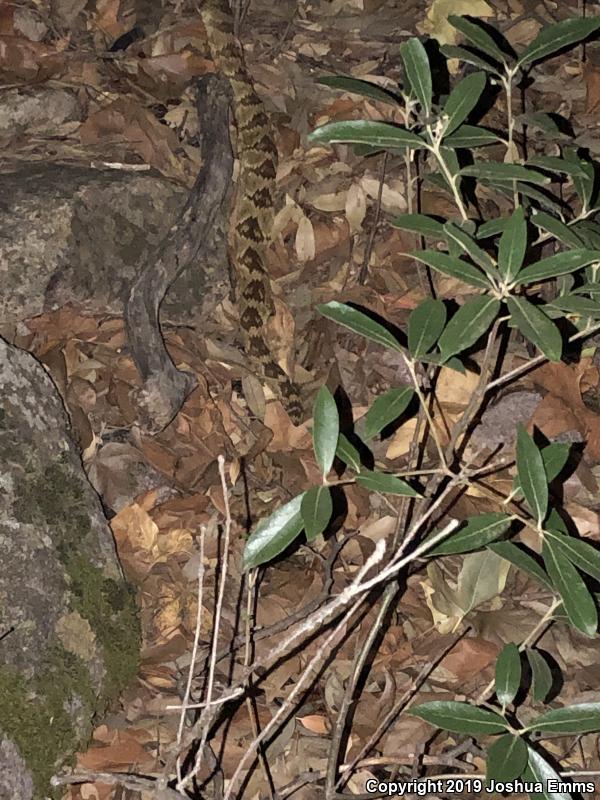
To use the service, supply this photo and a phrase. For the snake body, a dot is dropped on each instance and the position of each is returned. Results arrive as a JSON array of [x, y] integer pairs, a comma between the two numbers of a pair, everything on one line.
[[253, 211]]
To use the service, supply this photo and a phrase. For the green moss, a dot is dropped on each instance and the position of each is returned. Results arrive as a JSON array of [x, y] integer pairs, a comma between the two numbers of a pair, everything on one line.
[[110, 609], [57, 497], [34, 714]]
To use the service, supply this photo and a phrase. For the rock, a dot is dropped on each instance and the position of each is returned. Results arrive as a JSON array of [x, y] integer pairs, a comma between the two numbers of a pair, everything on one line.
[[69, 631], [82, 235]]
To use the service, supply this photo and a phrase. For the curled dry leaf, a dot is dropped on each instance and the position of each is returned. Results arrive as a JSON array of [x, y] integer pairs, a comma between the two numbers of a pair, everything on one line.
[[305, 240], [356, 207]]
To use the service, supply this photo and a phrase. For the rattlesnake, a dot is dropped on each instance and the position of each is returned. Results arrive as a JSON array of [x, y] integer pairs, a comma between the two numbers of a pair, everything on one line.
[[253, 211]]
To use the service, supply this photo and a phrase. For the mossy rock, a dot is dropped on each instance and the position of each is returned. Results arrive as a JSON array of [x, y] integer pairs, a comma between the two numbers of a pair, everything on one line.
[[68, 620]]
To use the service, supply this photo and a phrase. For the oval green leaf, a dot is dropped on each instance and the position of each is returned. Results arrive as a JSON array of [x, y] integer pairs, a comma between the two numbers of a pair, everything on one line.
[[559, 264], [536, 326], [565, 234], [476, 34], [386, 409], [540, 771], [347, 453], [477, 532], [358, 322], [316, 510], [273, 534], [541, 675], [455, 267], [508, 674], [357, 86], [470, 322], [576, 719], [326, 429], [506, 758], [577, 600], [512, 245], [419, 223], [492, 171], [521, 559], [460, 717], [579, 552], [532, 475], [470, 247], [553, 38], [468, 136], [363, 131], [463, 99], [425, 326], [471, 57], [575, 304], [418, 72], [385, 483]]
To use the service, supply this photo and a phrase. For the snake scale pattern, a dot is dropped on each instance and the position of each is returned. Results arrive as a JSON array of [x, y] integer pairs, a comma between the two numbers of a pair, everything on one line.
[[253, 211]]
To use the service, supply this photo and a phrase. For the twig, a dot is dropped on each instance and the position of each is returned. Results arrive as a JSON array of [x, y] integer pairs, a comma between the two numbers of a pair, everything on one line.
[[208, 712], [137, 783], [250, 701], [188, 689], [364, 269]]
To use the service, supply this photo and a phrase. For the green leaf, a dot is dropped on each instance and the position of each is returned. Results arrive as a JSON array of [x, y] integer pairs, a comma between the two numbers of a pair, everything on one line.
[[557, 164], [539, 771], [577, 600], [588, 288], [584, 184], [459, 717], [512, 245], [471, 136], [522, 560], [575, 304], [463, 99], [273, 534], [479, 37], [576, 719], [579, 552], [558, 229], [506, 758], [541, 675], [385, 483], [386, 409], [364, 131], [347, 453], [541, 196], [357, 86], [470, 247], [471, 57], [558, 264], [326, 429], [316, 510], [544, 122], [470, 322], [455, 267], [360, 323], [554, 456], [553, 38], [419, 223], [508, 674], [535, 326], [425, 325], [532, 475], [492, 171], [492, 228], [477, 532], [418, 71]]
